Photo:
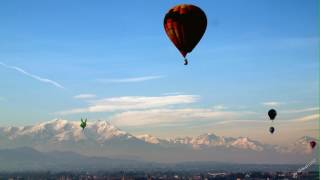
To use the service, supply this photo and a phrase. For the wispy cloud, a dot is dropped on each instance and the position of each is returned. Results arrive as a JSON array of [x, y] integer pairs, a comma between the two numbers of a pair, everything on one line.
[[130, 80], [220, 107], [84, 96], [313, 117], [132, 103], [44, 80], [240, 121], [155, 117], [303, 119], [272, 103], [301, 110]]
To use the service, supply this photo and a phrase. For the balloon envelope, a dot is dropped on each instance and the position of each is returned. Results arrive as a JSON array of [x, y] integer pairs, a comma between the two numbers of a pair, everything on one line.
[[313, 144], [185, 25], [271, 130], [83, 124], [272, 114]]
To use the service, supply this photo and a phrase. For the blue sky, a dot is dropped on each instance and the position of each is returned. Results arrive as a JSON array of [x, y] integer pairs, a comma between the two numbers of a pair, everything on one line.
[[253, 52]]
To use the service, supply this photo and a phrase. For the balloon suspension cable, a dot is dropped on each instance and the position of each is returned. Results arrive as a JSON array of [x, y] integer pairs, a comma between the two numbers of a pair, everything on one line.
[[185, 61]]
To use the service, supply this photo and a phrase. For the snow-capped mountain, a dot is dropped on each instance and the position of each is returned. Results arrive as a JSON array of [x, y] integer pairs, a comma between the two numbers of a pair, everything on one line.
[[246, 143], [101, 138], [59, 130], [305, 140], [152, 139], [207, 140], [302, 145]]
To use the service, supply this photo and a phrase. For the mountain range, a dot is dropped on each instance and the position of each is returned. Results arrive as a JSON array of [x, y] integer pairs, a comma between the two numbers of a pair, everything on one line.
[[102, 139]]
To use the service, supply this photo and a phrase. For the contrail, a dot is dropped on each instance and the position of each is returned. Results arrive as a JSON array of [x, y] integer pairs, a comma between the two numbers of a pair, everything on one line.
[[45, 80]]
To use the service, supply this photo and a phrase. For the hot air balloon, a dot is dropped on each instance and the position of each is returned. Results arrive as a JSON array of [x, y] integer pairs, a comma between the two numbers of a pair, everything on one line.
[[272, 114], [185, 25], [271, 129], [83, 124], [313, 144]]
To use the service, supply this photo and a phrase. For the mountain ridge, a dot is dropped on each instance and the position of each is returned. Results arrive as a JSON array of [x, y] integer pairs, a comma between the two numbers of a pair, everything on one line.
[[101, 138]]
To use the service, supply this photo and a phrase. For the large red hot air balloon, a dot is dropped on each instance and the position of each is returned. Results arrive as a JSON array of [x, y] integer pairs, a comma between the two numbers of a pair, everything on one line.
[[313, 144], [185, 25]]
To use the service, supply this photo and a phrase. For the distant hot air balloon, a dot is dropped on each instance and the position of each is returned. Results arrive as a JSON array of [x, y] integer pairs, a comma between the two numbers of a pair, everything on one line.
[[313, 144], [185, 25], [271, 129], [272, 114]]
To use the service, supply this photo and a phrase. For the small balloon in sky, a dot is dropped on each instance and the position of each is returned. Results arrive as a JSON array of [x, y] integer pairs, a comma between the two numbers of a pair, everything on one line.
[[272, 114], [83, 123], [185, 25], [313, 144], [271, 129]]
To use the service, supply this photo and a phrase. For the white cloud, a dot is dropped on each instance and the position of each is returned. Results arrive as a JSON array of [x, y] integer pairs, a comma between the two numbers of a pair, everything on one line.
[[85, 96], [130, 80], [157, 117], [272, 103], [32, 75], [240, 121], [313, 117], [301, 110], [303, 119], [220, 107], [132, 103]]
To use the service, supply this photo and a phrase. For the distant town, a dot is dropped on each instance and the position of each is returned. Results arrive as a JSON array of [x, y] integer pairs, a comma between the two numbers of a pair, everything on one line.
[[311, 175]]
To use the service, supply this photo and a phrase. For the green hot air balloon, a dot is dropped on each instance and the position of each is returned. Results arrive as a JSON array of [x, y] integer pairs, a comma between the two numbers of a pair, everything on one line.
[[83, 123]]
